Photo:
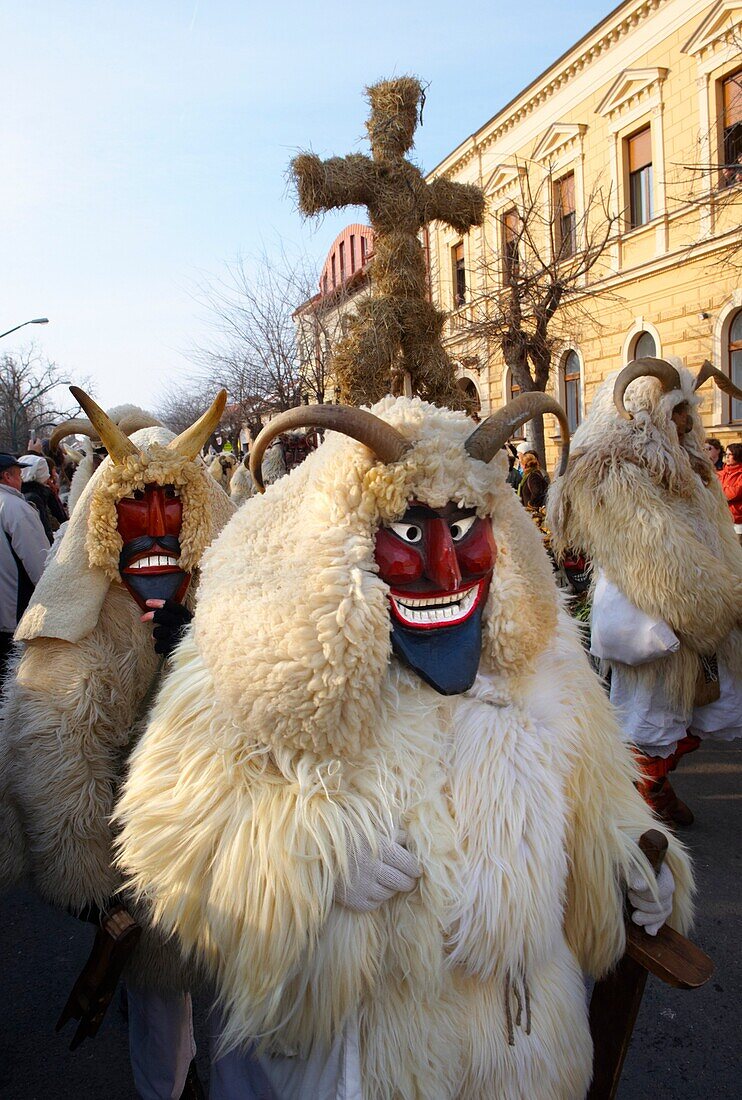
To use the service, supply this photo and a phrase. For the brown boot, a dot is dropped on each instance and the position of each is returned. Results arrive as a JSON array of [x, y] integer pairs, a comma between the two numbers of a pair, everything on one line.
[[666, 804]]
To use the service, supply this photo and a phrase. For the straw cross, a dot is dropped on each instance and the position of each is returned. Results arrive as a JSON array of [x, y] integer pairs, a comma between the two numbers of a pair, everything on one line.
[[394, 341]]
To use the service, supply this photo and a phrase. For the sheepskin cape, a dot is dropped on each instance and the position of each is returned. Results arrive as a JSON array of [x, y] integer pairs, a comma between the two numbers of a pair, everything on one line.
[[650, 514], [286, 721], [72, 700]]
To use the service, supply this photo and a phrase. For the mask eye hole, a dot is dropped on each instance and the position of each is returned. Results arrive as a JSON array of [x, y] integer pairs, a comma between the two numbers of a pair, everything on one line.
[[138, 494], [408, 532], [171, 493], [461, 528]]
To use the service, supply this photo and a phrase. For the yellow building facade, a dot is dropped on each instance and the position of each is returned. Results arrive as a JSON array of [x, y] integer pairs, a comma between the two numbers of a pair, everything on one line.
[[644, 115]]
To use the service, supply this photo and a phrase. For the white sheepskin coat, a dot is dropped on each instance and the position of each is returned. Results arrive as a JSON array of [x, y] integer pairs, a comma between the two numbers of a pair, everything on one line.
[[222, 475], [74, 692], [286, 720], [651, 515], [242, 486]]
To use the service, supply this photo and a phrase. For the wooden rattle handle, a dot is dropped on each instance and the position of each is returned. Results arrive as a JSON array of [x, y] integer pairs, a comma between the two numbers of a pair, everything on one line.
[[653, 845]]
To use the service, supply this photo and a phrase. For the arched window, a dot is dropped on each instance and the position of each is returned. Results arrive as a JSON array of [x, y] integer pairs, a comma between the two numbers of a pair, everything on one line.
[[644, 346], [735, 363], [471, 396], [572, 402]]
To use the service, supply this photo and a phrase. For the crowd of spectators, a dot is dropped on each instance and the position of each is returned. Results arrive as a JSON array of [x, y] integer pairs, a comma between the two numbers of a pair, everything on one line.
[[31, 510]]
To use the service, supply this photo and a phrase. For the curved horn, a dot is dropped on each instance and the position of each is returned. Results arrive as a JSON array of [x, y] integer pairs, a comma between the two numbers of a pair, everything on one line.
[[133, 422], [189, 443], [76, 426], [486, 440], [113, 439], [723, 381], [385, 441], [644, 368]]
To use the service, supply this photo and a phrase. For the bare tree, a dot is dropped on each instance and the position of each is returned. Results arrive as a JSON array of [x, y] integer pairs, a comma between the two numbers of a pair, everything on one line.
[[254, 353], [534, 291], [322, 322], [30, 398], [182, 404]]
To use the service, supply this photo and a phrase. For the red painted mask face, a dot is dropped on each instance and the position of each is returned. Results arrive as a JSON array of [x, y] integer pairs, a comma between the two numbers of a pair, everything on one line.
[[149, 524], [438, 565]]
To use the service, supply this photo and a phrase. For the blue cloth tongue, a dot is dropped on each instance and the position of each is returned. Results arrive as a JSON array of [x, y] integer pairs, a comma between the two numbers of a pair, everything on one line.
[[446, 657], [154, 586]]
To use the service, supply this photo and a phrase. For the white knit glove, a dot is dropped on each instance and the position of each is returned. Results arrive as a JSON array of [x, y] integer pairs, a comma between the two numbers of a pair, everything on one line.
[[649, 913], [372, 880]]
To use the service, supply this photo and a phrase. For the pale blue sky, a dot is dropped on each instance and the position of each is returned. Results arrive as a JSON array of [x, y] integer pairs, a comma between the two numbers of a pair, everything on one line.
[[145, 142]]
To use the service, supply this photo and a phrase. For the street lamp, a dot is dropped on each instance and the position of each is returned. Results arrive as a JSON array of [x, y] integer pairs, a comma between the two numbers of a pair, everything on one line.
[[35, 321]]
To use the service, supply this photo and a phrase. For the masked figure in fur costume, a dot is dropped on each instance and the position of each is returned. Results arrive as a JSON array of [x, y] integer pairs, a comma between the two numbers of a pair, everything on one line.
[[378, 723], [642, 499], [81, 681]]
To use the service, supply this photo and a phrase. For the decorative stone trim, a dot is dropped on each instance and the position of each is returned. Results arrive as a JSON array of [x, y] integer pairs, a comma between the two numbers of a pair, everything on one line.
[[629, 89], [718, 28], [502, 179], [557, 138]]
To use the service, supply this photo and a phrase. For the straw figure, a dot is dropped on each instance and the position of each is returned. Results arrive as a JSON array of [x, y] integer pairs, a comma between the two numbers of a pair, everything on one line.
[[394, 342]]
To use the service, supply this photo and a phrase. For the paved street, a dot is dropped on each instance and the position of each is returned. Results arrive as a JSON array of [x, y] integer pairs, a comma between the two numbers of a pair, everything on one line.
[[686, 1044]]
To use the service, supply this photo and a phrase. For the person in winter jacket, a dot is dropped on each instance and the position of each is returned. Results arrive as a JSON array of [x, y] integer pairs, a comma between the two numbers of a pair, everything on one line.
[[35, 488], [730, 477]]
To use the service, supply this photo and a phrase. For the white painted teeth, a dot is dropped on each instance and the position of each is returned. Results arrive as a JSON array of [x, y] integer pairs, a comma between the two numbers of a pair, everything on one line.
[[439, 609], [436, 601], [152, 561]]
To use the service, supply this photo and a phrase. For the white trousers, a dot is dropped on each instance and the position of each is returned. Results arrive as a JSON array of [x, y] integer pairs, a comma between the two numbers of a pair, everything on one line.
[[325, 1075], [161, 1044], [654, 725]]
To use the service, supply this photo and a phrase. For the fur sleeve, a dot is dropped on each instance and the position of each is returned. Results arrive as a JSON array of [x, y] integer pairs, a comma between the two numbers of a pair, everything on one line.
[[649, 548], [606, 816], [235, 855]]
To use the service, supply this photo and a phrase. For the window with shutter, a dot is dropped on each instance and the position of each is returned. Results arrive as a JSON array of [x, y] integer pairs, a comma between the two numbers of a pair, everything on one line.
[[565, 226], [641, 200], [731, 169], [510, 235], [459, 275]]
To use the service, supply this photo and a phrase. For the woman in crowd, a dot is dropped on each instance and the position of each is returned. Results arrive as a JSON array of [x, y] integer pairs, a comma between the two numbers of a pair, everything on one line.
[[730, 477], [37, 488], [534, 483], [715, 451]]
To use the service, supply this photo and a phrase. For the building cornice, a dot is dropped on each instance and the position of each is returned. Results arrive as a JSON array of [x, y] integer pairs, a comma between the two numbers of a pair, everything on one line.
[[622, 21]]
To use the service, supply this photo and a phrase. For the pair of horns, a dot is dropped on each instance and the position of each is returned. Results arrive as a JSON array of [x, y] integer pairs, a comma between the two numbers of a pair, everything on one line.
[[78, 426], [669, 378], [389, 445], [114, 438]]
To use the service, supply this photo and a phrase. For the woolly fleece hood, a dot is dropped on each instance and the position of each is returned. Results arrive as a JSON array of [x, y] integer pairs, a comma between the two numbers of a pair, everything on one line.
[[68, 599], [308, 672]]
